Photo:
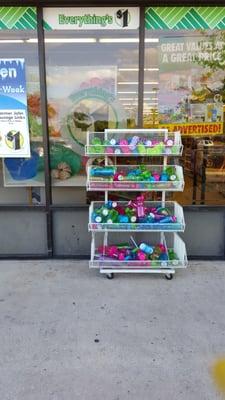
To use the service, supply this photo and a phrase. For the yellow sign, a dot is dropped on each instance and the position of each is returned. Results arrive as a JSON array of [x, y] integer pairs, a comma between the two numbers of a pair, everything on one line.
[[195, 129], [14, 140]]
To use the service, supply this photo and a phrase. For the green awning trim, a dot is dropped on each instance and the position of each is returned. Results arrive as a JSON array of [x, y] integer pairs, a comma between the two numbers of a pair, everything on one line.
[[19, 18], [184, 18]]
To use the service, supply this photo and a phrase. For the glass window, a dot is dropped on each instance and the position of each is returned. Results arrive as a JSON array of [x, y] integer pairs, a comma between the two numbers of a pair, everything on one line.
[[187, 67], [92, 84], [22, 179]]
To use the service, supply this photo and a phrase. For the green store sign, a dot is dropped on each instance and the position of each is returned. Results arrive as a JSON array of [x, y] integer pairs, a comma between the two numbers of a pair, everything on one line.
[[167, 18]]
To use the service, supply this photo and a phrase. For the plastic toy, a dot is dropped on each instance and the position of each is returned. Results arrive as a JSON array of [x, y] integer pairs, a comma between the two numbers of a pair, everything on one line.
[[109, 150], [146, 249], [141, 148], [112, 216], [142, 252], [134, 211], [131, 213], [123, 218], [124, 146], [138, 205], [118, 151], [111, 204], [112, 142], [103, 171], [170, 171], [97, 145], [105, 211], [118, 176], [141, 255], [148, 143], [133, 142], [97, 218]]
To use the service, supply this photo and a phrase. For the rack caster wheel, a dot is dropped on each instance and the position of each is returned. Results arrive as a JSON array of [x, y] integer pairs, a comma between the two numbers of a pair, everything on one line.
[[169, 277], [110, 276]]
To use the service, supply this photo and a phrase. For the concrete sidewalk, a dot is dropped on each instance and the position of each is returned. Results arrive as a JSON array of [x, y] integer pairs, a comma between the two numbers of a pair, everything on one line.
[[68, 333]]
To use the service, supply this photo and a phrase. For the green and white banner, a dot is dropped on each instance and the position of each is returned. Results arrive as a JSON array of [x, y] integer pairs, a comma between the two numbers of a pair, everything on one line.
[[176, 18], [115, 18], [19, 18]]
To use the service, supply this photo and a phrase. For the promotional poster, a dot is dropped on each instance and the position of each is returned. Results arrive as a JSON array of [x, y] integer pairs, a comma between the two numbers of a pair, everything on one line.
[[14, 133], [190, 95]]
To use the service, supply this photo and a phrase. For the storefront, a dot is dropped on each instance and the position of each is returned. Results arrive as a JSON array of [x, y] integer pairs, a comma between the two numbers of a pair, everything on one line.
[[95, 67]]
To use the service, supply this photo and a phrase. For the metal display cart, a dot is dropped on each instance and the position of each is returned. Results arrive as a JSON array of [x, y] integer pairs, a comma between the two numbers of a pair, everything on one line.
[[105, 145]]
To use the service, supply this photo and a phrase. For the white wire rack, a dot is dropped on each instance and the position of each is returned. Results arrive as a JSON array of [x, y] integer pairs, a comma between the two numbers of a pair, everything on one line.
[[155, 143]]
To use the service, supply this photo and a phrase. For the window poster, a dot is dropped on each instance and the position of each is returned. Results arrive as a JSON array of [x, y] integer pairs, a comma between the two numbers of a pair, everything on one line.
[[79, 99], [192, 84], [14, 132]]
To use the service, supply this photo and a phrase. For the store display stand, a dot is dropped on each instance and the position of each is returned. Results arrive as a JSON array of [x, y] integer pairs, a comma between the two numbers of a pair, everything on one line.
[[110, 150]]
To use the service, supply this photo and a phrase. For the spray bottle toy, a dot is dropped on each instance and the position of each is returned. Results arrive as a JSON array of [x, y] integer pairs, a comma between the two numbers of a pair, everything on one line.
[[97, 145], [133, 142], [124, 146], [106, 171], [138, 205]]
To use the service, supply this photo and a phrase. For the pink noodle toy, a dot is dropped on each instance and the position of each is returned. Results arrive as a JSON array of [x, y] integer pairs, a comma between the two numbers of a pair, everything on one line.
[[141, 255], [124, 146], [109, 150], [121, 256], [113, 252]]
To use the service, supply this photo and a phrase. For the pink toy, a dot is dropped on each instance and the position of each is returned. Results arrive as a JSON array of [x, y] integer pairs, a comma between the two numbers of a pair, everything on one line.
[[109, 150], [120, 210], [169, 142], [118, 176], [156, 176], [102, 250], [124, 146], [139, 206], [141, 255], [112, 252], [162, 247], [121, 256], [152, 210]]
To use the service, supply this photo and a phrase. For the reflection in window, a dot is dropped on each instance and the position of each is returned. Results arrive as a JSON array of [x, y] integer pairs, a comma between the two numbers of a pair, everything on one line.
[[22, 179], [187, 67], [92, 84]]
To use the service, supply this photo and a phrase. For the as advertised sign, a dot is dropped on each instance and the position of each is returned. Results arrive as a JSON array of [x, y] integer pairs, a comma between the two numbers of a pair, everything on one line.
[[14, 131], [195, 129], [91, 18]]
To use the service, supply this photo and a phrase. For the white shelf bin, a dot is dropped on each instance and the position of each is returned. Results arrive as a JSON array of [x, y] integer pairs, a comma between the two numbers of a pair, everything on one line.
[[114, 265], [160, 135], [95, 183], [172, 206]]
